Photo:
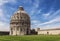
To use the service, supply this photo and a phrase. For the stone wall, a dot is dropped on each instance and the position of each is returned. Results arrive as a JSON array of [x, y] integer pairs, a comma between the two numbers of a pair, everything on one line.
[[49, 32]]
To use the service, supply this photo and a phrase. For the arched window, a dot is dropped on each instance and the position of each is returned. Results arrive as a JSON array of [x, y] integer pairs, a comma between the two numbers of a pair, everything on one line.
[[11, 30], [17, 28], [20, 29]]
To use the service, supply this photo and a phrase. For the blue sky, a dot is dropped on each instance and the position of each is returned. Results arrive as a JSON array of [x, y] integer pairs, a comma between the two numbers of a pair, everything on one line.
[[44, 14]]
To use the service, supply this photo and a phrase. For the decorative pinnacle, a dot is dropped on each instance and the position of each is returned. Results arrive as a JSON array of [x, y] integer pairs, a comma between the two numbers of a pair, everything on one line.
[[21, 8]]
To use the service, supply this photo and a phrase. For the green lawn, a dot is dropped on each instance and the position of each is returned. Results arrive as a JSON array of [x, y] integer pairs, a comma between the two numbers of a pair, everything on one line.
[[31, 38]]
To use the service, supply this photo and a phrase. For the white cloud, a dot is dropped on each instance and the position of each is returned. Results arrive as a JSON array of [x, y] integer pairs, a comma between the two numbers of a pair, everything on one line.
[[32, 12], [2, 2], [1, 13], [13, 2], [4, 26], [46, 15], [39, 11], [47, 25], [51, 14], [55, 13], [36, 3], [3, 22], [34, 7], [52, 21], [2, 16], [35, 21], [27, 1]]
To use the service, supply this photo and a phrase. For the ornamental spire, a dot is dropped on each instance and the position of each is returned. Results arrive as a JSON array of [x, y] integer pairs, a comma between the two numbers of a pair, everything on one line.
[[20, 8]]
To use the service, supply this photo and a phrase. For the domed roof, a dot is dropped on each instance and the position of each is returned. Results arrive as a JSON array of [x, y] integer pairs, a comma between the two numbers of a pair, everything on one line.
[[20, 12]]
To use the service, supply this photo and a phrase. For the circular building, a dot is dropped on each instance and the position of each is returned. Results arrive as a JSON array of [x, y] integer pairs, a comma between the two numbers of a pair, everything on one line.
[[20, 23]]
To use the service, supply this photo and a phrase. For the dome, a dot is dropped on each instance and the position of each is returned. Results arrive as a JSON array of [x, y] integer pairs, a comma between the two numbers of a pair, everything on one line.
[[20, 13]]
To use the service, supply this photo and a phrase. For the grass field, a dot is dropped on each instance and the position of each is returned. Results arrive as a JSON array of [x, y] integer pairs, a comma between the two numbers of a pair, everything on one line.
[[31, 38]]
